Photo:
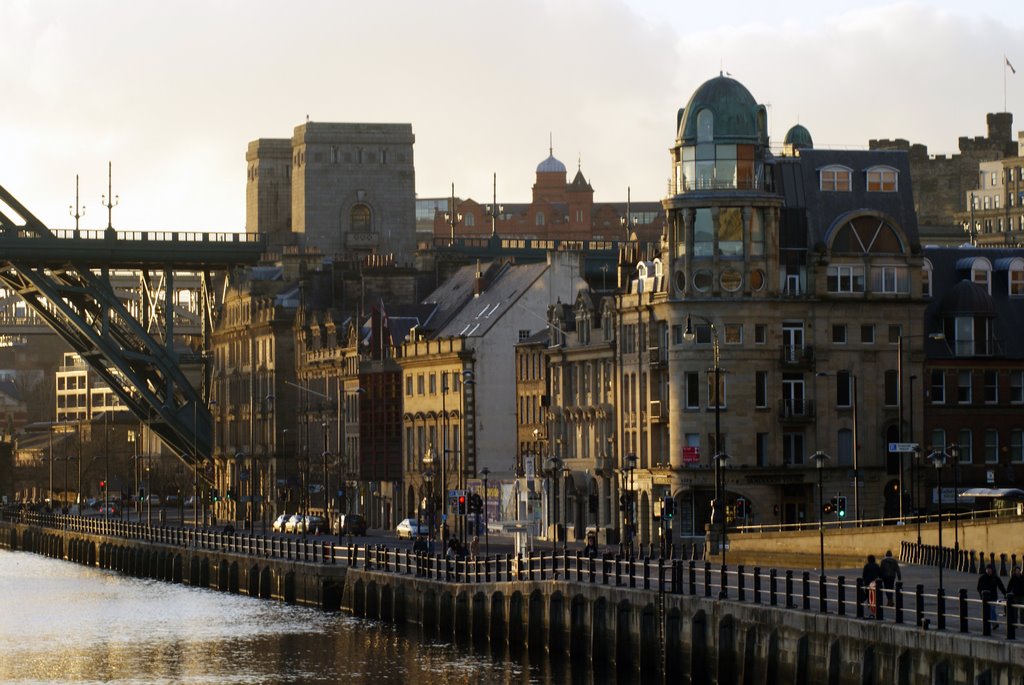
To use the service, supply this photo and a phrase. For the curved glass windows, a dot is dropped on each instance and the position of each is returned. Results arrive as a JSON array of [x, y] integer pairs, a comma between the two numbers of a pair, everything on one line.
[[707, 166], [730, 232], [866, 234], [703, 233]]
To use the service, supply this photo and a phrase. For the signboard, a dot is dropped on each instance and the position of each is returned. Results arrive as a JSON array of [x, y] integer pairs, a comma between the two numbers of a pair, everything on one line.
[[906, 447], [691, 455], [528, 464]]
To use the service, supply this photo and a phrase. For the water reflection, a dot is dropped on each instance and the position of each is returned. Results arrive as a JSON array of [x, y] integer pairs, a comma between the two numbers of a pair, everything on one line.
[[61, 622]]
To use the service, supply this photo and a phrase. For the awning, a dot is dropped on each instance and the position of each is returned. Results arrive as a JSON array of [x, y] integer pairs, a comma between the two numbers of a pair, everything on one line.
[[994, 493]]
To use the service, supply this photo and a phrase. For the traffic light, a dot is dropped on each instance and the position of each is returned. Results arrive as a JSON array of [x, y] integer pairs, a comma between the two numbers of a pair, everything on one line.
[[841, 506], [142, 494], [668, 508], [230, 494], [214, 495], [829, 507], [103, 485], [741, 507], [478, 504], [462, 504]]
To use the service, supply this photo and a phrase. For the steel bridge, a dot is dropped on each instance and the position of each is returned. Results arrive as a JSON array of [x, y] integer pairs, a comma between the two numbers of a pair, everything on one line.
[[74, 282]]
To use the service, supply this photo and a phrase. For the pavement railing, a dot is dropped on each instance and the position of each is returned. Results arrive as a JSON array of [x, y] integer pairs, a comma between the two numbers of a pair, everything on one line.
[[966, 561]]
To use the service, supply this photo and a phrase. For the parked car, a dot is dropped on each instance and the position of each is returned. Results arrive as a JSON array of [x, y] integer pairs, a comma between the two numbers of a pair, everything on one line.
[[315, 525], [351, 524], [294, 524], [110, 509], [409, 528], [153, 499], [278, 526], [171, 500]]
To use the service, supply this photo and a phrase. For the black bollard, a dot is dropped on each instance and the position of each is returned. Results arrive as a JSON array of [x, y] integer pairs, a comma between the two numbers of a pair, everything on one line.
[[789, 589], [757, 585], [805, 590], [773, 587], [899, 601], [740, 585], [860, 598], [822, 594], [963, 610], [707, 579], [841, 595], [940, 609]]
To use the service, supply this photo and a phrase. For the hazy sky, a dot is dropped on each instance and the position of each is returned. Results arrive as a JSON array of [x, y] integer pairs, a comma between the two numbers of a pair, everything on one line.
[[172, 92]]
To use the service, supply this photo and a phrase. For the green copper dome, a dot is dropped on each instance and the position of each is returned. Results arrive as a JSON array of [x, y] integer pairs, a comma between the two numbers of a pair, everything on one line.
[[798, 137], [734, 115]]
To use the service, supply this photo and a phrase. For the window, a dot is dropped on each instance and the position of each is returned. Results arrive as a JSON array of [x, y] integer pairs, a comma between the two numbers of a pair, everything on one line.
[[938, 440], [966, 444], [835, 178], [890, 279], [792, 448], [991, 386], [718, 397], [938, 387], [844, 444], [981, 273], [1017, 445], [895, 331], [839, 333], [524, 333], [677, 334], [892, 393], [844, 389], [867, 334], [882, 180], [760, 334], [692, 390], [1017, 387], [991, 446], [540, 218], [360, 217], [433, 384], [845, 279], [761, 389], [1017, 281], [963, 387], [468, 220], [705, 126], [420, 384], [762, 449], [733, 334], [408, 386]]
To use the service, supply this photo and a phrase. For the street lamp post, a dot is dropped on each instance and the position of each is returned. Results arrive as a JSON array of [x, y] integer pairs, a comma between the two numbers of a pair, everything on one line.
[[954, 455], [628, 514], [915, 475], [487, 538], [939, 460], [721, 462], [820, 458], [554, 465], [428, 476], [690, 335], [899, 380], [566, 474]]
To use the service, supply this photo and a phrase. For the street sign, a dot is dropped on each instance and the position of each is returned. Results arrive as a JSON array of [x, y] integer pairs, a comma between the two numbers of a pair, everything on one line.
[[910, 447]]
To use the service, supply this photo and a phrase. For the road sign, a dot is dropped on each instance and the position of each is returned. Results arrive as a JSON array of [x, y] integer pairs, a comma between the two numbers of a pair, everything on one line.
[[910, 447]]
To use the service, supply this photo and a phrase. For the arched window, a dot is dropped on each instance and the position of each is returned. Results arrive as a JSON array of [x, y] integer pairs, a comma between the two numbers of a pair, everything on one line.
[[540, 218], [882, 179], [360, 218], [981, 273], [1016, 278]]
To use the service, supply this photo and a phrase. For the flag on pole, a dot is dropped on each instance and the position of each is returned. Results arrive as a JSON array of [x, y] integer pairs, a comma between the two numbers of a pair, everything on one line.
[[1009, 65]]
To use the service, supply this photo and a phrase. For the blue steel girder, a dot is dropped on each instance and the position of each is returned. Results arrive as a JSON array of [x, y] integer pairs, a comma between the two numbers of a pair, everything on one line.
[[57, 279]]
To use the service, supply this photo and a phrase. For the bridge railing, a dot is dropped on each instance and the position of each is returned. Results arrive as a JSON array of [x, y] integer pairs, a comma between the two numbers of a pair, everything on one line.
[[153, 236], [786, 589], [911, 520]]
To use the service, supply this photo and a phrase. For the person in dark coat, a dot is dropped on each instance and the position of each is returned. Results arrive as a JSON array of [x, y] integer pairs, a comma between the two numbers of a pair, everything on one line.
[[988, 585], [871, 573], [890, 574]]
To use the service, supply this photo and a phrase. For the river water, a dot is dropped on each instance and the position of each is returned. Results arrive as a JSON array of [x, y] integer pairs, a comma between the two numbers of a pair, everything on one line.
[[65, 623]]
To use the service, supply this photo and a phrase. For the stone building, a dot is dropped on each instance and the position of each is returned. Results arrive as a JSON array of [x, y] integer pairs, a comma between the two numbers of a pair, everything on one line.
[[768, 328], [942, 183], [346, 189], [559, 210], [995, 209]]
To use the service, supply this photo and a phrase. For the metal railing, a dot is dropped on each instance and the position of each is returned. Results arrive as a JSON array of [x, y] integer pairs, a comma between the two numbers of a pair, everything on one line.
[[785, 589]]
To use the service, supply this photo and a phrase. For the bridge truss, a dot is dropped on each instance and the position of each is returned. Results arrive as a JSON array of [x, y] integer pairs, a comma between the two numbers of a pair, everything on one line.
[[112, 297]]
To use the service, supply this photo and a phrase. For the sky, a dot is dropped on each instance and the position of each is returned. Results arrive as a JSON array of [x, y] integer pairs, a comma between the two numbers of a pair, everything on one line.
[[171, 93]]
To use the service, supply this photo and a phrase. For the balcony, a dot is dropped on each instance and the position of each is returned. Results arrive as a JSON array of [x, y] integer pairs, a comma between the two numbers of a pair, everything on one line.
[[797, 356], [658, 412], [796, 410]]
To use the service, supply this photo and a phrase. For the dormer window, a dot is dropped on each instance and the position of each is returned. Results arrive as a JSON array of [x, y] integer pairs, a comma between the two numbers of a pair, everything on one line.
[[705, 126], [835, 178], [981, 274], [1016, 278], [882, 179]]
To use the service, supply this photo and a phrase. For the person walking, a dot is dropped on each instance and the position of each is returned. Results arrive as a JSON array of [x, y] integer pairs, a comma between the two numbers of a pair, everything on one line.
[[474, 547], [988, 586], [890, 569], [1014, 589], [869, 577]]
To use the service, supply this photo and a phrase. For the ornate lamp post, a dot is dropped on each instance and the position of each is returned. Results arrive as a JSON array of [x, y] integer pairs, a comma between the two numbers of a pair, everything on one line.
[[428, 478], [718, 509], [554, 472], [721, 462], [630, 518]]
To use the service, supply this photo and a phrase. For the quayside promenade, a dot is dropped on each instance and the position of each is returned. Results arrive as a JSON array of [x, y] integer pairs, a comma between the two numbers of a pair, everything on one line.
[[670, 619]]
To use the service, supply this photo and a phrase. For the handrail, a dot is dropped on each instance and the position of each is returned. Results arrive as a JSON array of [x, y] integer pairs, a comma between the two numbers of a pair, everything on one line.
[[868, 523]]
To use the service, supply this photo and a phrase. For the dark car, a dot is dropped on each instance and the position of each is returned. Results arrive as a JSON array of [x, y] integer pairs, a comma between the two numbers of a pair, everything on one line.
[[352, 524]]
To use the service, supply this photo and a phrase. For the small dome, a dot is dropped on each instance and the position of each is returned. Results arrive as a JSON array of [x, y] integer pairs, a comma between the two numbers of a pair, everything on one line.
[[967, 298], [798, 138], [737, 116], [551, 166]]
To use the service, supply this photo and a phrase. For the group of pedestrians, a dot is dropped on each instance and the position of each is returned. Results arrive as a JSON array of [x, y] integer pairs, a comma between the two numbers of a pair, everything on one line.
[[888, 572], [882, 576]]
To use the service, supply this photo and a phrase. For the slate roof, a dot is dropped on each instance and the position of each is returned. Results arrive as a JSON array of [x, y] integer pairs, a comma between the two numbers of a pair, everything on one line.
[[951, 266], [800, 188]]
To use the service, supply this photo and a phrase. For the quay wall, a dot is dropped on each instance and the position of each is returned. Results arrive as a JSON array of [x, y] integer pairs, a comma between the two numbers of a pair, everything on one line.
[[669, 637]]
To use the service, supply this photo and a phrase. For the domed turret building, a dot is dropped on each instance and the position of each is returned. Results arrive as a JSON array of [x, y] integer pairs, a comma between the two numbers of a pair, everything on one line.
[[792, 279]]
